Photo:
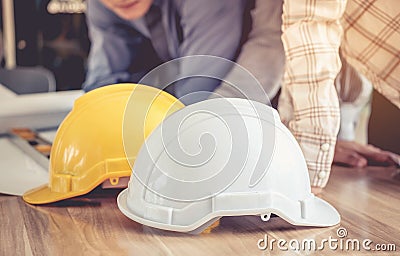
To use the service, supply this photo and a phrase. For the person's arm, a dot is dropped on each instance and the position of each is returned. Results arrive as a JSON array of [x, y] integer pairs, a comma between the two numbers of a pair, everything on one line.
[[311, 38], [113, 46], [209, 28], [262, 54]]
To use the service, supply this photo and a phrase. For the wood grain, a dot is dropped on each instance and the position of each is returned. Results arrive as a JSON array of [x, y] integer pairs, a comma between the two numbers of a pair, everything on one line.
[[367, 199]]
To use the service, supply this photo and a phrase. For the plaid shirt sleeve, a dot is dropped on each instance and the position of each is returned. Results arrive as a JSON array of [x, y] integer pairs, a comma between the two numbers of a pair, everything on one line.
[[371, 43], [309, 104]]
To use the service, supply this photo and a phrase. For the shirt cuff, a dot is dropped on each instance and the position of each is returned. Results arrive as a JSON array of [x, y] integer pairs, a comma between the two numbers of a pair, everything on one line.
[[318, 152]]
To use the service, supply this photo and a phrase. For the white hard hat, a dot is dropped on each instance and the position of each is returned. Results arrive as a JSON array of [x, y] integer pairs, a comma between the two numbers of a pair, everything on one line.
[[221, 157]]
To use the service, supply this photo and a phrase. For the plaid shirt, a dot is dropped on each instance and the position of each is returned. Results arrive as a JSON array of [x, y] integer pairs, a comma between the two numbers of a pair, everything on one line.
[[371, 43], [311, 37]]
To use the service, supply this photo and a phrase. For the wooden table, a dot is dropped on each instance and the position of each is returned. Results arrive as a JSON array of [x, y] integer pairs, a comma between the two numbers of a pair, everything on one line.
[[367, 199]]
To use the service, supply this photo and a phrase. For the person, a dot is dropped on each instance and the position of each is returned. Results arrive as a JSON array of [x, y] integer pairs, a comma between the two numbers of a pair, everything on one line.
[[131, 37], [371, 46], [309, 103], [312, 34]]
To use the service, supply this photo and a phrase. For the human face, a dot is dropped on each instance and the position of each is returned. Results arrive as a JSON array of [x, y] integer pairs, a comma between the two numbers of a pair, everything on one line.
[[128, 9]]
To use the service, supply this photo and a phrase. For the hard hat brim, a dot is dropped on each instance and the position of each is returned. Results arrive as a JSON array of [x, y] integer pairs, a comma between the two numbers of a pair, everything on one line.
[[123, 207], [44, 195], [319, 213]]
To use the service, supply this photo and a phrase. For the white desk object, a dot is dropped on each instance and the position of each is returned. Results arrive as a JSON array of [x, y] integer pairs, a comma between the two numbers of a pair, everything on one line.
[[35, 111], [20, 171]]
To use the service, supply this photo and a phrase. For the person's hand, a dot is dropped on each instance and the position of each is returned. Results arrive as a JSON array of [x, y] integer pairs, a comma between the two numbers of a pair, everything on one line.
[[316, 190], [353, 154]]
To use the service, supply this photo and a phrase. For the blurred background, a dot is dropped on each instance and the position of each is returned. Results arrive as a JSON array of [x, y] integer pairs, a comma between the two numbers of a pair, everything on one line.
[[57, 41], [53, 34]]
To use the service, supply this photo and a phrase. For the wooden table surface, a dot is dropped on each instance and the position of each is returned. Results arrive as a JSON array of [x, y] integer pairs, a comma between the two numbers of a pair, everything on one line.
[[367, 199]]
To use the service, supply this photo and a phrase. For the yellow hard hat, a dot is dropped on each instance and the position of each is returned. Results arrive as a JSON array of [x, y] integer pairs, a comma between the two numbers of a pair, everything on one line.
[[89, 148]]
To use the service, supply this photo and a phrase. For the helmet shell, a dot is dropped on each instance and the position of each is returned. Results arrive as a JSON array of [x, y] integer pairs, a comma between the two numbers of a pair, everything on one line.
[[221, 157], [88, 148]]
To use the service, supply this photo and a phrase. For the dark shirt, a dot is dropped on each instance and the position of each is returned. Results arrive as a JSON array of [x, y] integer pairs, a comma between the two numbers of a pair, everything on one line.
[[121, 50]]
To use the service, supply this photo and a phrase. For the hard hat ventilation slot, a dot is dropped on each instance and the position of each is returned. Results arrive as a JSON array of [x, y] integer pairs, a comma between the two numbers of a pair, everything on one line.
[[114, 181], [265, 217]]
